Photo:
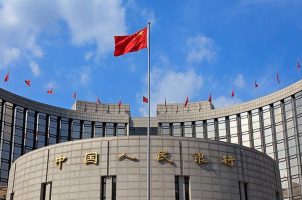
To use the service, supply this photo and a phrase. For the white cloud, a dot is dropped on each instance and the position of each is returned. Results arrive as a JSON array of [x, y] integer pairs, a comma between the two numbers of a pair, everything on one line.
[[224, 101], [176, 86], [201, 48], [94, 21], [89, 55], [9, 55], [51, 85], [89, 22], [35, 68], [239, 81], [85, 75]]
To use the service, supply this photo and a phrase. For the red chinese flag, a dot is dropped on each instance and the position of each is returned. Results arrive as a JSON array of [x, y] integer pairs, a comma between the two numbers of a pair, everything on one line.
[[50, 91], [187, 101], [130, 43], [119, 104], [27, 82], [233, 93], [6, 77], [256, 85], [98, 100], [145, 99], [278, 80], [210, 98], [74, 95]]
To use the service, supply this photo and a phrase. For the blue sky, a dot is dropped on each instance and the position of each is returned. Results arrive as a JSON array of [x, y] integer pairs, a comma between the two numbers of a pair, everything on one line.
[[197, 47]]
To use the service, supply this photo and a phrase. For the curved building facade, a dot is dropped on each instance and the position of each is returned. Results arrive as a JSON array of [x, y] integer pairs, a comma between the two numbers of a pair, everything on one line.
[[115, 168], [271, 124]]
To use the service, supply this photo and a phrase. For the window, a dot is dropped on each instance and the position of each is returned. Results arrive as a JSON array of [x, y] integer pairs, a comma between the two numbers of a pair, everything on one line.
[[182, 183], [46, 191], [243, 190], [234, 129], [11, 197], [76, 129], [211, 129], [199, 129], [121, 129], [65, 129], [176, 187], [107, 180], [187, 188], [222, 130], [109, 129], [177, 129], [165, 129], [103, 187], [245, 129], [87, 130], [188, 129], [113, 196], [98, 129], [53, 130]]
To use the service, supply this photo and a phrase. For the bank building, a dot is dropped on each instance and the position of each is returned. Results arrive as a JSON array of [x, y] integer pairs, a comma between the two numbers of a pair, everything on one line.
[[249, 151]]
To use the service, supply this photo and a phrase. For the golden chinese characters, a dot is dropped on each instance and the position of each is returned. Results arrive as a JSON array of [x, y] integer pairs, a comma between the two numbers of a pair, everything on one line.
[[60, 160], [91, 158], [228, 160], [123, 156], [163, 155], [199, 158]]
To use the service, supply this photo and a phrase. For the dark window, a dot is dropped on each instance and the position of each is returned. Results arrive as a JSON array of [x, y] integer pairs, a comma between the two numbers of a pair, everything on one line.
[[245, 191], [11, 196], [52, 130], [87, 130], [103, 187], [113, 188], [98, 129], [121, 129], [65, 128], [46, 191], [76, 127], [176, 188], [109, 129], [187, 188]]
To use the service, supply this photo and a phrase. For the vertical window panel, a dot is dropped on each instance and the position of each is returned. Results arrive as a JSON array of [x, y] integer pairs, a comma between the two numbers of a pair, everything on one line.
[[199, 129], [234, 129], [211, 129], [188, 129], [177, 129], [222, 130]]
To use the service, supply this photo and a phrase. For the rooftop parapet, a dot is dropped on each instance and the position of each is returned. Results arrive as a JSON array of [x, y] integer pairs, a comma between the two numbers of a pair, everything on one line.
[[91, 107], [194, 107]]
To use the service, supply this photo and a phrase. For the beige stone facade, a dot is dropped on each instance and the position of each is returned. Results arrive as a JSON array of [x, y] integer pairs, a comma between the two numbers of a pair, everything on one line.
[[253, 175]]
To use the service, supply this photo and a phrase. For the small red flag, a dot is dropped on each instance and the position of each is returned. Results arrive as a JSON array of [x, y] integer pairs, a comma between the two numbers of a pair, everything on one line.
[[130, 43], [233, 93], [119, 104], [210, 98], [298, 65], [74, 95], [256, 85], [27, 82], [6, 77], [98, 100], [50, 91], [187, 101], [277, 76], [145, 99]]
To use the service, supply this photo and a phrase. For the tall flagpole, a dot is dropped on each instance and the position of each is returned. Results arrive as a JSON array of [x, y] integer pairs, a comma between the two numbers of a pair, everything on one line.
[[148, 130]]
